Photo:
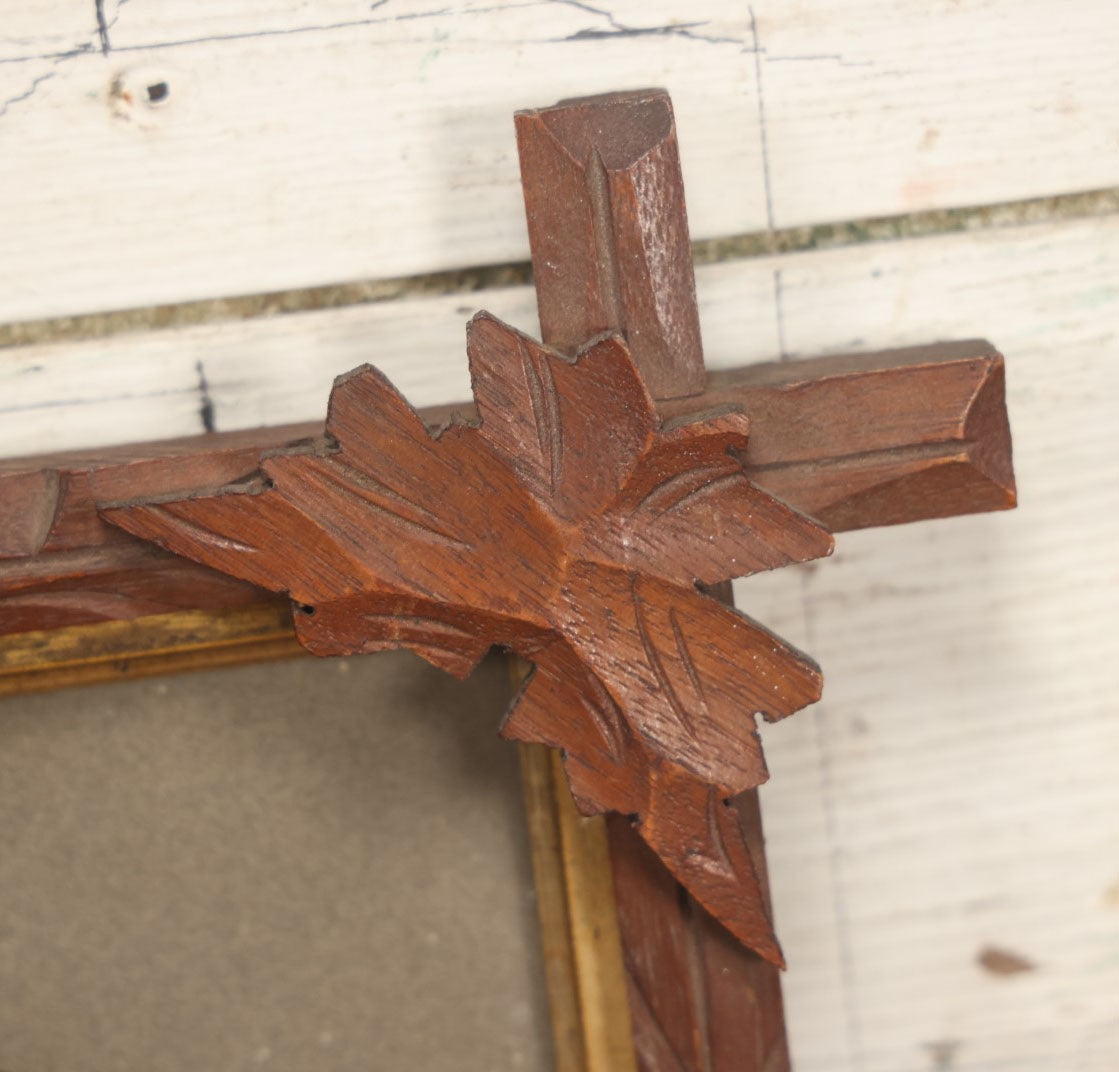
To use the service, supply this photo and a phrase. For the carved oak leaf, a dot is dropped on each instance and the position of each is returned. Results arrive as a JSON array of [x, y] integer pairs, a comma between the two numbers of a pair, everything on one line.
[[567, 524]]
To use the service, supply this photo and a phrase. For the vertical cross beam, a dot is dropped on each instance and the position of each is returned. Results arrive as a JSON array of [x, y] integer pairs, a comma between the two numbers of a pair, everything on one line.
[[570, 522], [609, 232], [608, 229]]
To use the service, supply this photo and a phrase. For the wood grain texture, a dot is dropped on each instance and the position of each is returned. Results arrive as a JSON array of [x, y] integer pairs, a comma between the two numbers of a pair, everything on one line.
[[913, 860], [66, 567], [155, 644], [682, 1015], [274, 171], [844, 472], [569, 525], [542, 464], [892, 871], [275, 371], [608, 230], [115, 583], [698, 1000]]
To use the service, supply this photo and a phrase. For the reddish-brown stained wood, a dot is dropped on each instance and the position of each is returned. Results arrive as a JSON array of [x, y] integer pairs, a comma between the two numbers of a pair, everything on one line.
[[608, 229], [916, 434], [62, 565], [570, 524], [29, 511], [912, 434], [60, 491], [117, 583], [698, 999]]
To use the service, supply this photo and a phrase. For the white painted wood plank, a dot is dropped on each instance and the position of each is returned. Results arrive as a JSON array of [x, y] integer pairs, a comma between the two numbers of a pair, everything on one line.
[[890, 106], [957, 787], [301, 144], [279, 370], [295, 154]]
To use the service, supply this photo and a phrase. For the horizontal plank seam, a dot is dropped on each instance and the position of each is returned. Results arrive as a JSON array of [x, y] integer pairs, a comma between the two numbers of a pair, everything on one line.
[[877, 229]]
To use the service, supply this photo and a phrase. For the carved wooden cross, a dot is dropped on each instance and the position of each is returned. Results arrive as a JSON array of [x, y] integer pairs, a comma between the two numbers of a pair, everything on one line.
[[587, 512]]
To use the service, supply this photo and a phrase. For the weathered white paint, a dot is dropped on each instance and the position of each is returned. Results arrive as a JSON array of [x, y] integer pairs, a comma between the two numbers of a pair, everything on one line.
[[957, 787], [302, 144], [279, 370]]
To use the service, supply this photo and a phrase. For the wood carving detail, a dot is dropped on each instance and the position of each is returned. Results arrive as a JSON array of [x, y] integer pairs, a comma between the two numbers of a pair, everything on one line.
[[570, 524], [923, 434], [569, 521]]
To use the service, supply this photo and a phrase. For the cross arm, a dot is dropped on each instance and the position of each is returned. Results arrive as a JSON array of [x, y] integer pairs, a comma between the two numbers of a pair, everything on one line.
[[570, 546], [853, 440], [879, 439]]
